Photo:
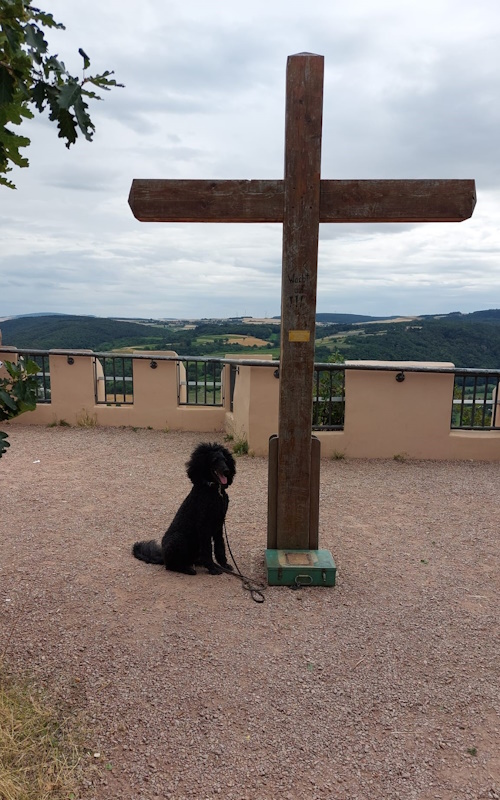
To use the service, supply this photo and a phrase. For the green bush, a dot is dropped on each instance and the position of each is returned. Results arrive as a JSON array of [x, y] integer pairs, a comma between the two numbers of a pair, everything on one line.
[[17, 393]]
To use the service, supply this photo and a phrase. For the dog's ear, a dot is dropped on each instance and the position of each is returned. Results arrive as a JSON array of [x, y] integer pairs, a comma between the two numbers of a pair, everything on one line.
[[198, 466], [231, 464]]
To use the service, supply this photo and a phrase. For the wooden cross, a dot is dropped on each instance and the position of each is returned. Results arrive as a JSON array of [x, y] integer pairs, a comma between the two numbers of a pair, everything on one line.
[[300, 201]]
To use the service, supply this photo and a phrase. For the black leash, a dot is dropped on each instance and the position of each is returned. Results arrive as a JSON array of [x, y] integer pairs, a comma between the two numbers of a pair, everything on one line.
[[255, 588]]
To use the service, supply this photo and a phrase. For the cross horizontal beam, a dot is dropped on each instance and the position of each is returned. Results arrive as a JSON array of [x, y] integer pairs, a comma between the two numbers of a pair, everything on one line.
[[340, 200]]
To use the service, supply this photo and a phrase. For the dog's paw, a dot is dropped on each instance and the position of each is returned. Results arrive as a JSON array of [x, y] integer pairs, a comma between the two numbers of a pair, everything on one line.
[[213, 570], [227, 566], [185, 570]]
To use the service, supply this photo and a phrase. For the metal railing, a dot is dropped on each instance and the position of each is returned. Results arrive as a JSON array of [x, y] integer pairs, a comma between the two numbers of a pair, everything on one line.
[[200, 382], [42, 376], [328, 398], [474, 405], [233, 371], [113, 380]]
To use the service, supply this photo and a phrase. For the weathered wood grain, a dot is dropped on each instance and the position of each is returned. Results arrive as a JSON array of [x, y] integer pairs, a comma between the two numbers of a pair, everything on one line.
[[304, 109], [207, 201], [397, 200], [340, 201]]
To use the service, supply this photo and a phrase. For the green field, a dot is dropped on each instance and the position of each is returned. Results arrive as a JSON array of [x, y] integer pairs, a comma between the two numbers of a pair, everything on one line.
[[466, 340]]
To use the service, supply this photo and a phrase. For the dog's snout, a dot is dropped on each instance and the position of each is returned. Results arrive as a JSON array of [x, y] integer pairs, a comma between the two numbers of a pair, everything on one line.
[[221, 467]]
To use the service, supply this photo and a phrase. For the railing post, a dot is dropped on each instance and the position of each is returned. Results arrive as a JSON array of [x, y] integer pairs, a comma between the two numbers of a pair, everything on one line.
[[72, 385], [255, 406], [391, 413], [4, 356], [155, 390], [495, 405]]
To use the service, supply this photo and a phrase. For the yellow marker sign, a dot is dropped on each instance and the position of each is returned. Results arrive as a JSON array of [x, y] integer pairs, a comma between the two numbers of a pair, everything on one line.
[[299, 336]]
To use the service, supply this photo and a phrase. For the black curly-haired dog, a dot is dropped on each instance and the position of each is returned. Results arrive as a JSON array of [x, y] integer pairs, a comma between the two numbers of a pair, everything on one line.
[[200, 519]]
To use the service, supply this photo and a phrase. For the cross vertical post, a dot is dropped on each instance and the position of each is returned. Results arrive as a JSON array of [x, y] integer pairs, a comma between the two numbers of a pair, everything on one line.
[[301, 214]]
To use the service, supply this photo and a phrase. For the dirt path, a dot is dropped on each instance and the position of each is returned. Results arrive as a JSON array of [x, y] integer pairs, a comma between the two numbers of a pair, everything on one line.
[[386, 686]]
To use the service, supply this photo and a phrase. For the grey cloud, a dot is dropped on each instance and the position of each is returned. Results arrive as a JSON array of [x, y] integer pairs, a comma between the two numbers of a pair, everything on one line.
[[204, 97], [81, 179]]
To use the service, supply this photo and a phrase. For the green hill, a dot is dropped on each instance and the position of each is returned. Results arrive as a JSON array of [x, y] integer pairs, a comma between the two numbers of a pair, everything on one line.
[[73, 332], [330, 319], [465, 340], [102, 334], [468, 340]]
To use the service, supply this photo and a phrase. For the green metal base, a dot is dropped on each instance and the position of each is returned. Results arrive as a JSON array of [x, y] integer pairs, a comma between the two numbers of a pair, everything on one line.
[[300, 568]]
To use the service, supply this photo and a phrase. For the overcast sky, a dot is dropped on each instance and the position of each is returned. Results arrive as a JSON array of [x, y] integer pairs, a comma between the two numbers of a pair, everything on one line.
[[412, 90]]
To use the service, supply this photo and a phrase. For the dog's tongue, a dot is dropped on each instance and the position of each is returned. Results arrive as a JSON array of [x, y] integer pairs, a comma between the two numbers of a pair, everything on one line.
[[222, 478]]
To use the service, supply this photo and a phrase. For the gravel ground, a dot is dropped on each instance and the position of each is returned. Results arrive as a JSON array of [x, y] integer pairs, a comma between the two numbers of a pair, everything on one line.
[[383, 687]]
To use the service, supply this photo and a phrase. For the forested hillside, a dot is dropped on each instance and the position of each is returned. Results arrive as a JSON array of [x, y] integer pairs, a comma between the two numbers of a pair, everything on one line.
[[460, 339], [102, 334], [73, 332], [329, 319], [467, 340]]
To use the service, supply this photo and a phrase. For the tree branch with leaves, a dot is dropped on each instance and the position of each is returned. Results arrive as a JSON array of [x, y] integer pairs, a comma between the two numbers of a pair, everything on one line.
[[17, 393], [32, 78]]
